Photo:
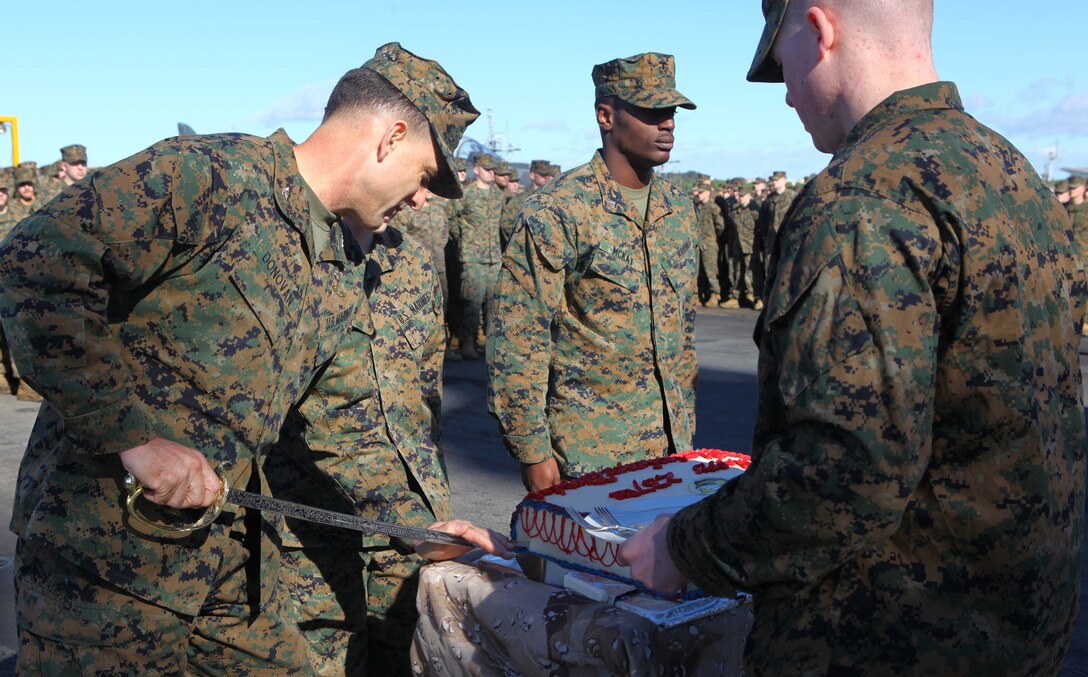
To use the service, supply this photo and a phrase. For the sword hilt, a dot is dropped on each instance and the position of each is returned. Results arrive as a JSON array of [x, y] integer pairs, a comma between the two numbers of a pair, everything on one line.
[[135, 489]]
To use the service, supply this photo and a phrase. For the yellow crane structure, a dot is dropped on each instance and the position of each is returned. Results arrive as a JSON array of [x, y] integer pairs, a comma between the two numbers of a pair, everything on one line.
[[13, 122]]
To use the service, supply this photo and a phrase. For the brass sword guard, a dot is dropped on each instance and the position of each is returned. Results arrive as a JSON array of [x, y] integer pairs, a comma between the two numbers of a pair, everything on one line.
[[135, 489]]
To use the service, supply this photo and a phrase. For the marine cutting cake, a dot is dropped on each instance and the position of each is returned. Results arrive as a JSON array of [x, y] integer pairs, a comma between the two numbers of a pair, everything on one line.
[[635, 493]]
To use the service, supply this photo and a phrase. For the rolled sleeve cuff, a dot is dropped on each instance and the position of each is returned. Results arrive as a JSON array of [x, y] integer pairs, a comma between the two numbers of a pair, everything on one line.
[[692, 554], [529, 448], [116, 428]]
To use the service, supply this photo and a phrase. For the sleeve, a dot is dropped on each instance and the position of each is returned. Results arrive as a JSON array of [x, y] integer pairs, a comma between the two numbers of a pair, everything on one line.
[[846, 396], [689, 368], [689, 361], [529, 293], [433, 355], [119, 230], [455, 210]]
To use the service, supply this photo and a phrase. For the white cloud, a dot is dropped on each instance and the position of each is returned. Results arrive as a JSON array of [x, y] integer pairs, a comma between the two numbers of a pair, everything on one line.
[[306, 104], [977, 102], [1045, 87], [1066, 117]]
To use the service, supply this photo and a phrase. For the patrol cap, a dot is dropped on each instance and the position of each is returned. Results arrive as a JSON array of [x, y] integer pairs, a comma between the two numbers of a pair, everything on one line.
[[503, 169], [539, 166], [778, 175], [645, 80], [73, 154], [26, 172], [459, 164], [1061, 186], [764, 68], [445, 105], [553, 170], [485, 160], [1077, 182]]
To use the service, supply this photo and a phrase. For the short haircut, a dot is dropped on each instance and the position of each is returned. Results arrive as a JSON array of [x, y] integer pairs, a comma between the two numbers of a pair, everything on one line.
[[363, 90]]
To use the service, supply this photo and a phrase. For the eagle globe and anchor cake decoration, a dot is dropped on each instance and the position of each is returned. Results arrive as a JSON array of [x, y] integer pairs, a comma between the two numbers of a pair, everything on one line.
[[579, 524]]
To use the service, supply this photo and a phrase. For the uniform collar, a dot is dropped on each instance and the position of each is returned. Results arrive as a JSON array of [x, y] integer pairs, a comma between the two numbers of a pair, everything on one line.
[[383, 256], [931, 96], [292, 198], [614, 203]]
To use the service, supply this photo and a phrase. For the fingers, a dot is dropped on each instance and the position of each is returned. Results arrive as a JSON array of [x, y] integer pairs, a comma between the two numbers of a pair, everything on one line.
[[172, 475], [490, 541]]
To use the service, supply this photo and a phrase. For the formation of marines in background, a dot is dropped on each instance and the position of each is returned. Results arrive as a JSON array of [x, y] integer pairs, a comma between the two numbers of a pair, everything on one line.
[[738, 219]]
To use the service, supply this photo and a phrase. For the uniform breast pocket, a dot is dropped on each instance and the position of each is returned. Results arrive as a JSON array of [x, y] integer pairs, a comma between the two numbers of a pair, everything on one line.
[[332, 329], [417, 329], [614, 271], [269, 287]]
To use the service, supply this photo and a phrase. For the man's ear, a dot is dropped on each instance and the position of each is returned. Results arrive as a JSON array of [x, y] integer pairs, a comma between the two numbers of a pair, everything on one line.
[[605, 116], [822, 23], [394, 134]]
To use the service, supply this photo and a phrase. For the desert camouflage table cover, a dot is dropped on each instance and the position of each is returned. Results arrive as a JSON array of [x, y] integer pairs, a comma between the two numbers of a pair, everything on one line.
[[484, 620]]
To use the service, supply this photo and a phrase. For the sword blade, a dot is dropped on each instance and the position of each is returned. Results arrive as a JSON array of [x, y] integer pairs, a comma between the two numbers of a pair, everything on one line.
[[263, 503]]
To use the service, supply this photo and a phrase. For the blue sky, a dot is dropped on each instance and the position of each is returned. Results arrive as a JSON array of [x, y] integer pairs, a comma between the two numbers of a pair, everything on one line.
[[117, 76]]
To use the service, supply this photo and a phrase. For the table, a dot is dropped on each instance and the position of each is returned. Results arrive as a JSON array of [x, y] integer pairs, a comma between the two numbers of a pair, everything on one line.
[[487, 620]]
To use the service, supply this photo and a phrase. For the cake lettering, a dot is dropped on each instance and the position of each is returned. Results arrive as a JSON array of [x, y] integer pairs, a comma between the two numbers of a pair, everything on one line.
[[647, 486]]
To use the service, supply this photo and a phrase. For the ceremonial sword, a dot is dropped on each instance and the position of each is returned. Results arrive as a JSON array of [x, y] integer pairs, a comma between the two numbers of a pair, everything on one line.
[[248, 499]]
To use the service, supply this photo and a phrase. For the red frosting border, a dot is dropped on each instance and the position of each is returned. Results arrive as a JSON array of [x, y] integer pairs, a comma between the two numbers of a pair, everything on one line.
[[719, 460]]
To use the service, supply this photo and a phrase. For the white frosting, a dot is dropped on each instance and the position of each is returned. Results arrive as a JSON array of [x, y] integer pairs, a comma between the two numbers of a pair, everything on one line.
[[634, 495]]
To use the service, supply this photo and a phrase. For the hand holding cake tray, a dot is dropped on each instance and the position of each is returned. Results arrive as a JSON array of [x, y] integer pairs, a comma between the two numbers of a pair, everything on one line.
[[635, 493]]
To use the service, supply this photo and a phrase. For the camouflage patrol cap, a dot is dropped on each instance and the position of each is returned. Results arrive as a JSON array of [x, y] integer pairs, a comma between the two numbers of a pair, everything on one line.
[[26, 172], [445, 105], [1077, 182], [539, 166], [1061, 186], [764, 68], [778, 175], [486, 161], [553, 170], [51, 170], [459, 164], [73, 154], [503, 169], [645, 80]]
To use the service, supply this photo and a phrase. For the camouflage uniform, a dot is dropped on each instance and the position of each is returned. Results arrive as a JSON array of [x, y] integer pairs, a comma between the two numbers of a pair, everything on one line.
[[26, 172], [510, 210], [515, 202], [772, 211], [365, 441], [49, 186], [1078, 217], [476, 228], [711, 227], [591, 354], [591, 357], [915, 503], [740, 220], [431, 226], [260, 289], [191, 293]]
